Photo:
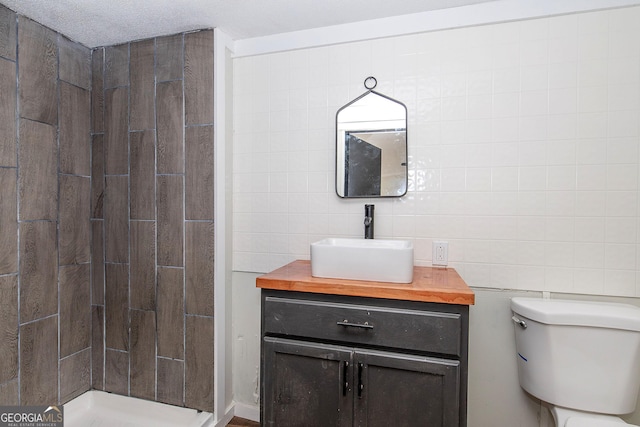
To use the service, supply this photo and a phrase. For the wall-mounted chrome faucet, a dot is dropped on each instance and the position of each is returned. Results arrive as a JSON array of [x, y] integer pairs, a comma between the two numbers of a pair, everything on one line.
[[368, 221]]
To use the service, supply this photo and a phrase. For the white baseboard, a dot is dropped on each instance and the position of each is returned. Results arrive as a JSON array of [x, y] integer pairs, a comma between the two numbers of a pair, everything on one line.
[[247, 412]]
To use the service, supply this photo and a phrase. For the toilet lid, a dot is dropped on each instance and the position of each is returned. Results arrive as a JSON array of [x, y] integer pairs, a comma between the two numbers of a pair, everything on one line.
[[595, 422]]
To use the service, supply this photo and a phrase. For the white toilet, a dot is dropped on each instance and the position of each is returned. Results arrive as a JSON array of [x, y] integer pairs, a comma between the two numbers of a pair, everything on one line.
[[580, 358]]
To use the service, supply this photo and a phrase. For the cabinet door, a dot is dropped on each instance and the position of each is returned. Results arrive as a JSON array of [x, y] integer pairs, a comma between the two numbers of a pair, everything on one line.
[[403, 390], [306, 384]]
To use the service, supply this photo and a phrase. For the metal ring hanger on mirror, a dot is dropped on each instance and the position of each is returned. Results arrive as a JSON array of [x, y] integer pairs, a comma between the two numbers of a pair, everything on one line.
[[370, 82]]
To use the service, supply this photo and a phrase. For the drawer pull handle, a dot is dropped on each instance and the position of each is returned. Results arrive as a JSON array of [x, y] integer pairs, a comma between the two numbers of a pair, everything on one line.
[[364, 325]]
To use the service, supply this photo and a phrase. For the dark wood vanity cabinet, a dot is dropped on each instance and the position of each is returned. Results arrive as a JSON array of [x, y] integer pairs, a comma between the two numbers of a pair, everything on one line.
[[330, 360]]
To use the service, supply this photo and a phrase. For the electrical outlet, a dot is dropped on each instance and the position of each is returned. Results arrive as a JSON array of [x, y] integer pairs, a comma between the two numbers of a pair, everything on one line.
[[440, 255]]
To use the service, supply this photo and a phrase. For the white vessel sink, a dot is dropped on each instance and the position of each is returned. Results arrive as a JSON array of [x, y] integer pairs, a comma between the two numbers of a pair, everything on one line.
[[363, 259]]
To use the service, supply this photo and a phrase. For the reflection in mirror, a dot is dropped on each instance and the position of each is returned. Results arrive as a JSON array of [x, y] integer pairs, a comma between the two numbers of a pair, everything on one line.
[[371, 147]]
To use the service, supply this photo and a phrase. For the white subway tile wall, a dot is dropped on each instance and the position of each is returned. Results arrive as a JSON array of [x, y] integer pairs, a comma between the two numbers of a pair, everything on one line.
[[523, 151]]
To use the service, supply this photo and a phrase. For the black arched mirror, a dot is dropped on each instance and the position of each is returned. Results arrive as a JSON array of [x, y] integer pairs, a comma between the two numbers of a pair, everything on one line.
[[371, 146]]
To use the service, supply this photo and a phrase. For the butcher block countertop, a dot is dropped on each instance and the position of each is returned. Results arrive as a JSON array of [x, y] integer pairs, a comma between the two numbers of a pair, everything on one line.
[[429, 285]]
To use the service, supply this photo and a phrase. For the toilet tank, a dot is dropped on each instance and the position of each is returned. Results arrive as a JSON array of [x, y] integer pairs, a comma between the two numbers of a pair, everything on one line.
[[577, 354]]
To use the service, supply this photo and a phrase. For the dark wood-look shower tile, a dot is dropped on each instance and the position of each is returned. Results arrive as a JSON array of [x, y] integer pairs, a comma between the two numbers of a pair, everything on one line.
[[199, 363], [170, 119], [199, 256], [7, 33], [116, 147], [142, 85], [75, 375], [38, 72], [97, 262], [97, 90], [75, 63], [199, 173], [143, 354], [143, 265], [170, 312], [169, 58], [97, 347], [116, 306], [39, 362], [170, 220], [75, 130], [9, 393], [7, 112], [8, 328], [116, 66], [143, 175], [116, 219], [8, 221], [97, 175], [116, 371], [74, 223], [38, 172], [38, 270], [198, 77], [171, 381], [75, 308]]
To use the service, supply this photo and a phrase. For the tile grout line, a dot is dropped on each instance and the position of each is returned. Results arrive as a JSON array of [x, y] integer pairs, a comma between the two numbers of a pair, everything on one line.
[[18, 243], [91, 236], [128, 220], [155, 220], [103, 331], [184, 273], [58, 209]]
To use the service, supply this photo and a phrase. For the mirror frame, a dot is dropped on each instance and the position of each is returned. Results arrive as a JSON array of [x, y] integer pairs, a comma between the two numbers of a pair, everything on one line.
[[406, 154]]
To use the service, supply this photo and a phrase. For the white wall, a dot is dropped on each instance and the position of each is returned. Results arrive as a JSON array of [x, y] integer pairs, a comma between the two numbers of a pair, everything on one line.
[[246, 339], [523, 150], [226, 228], [523, 154]]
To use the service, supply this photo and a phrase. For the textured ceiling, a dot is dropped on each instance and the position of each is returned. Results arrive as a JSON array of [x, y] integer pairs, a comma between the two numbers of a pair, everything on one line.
[[106, 22]]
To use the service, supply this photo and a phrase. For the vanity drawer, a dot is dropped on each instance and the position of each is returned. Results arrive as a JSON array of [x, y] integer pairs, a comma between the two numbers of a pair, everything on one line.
[[407, 329]]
